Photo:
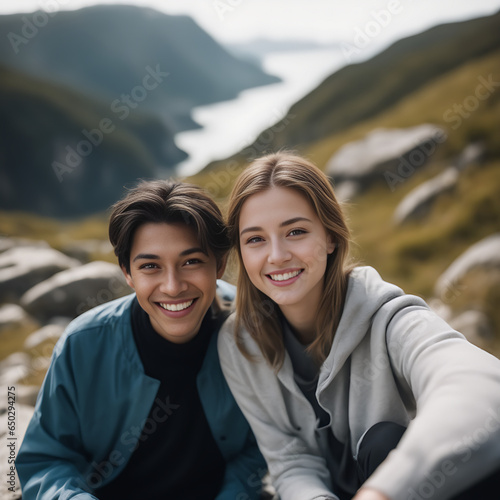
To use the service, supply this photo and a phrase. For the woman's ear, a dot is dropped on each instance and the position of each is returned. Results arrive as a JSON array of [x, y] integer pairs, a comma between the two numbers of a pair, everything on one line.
[[330, 245]]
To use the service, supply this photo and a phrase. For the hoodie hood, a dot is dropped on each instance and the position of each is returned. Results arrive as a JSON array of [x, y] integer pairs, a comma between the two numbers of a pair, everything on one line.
[[366, 293]]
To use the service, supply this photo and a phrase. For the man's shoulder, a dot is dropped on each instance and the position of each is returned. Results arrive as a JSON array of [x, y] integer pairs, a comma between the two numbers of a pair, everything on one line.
[[111, 315]]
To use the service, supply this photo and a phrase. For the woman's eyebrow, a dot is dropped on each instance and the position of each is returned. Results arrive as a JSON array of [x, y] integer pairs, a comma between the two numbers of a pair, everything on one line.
[[294, 220], [287, 222]]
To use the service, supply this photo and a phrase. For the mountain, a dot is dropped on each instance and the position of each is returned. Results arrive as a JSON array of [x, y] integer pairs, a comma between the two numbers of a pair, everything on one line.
[[91, 100], [109, 51], [454, 84], [359, 92], [63, 154]]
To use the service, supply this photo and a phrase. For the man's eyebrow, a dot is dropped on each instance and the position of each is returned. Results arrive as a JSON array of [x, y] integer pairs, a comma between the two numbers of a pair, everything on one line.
[[152, 256], [287, 222], [148, 256], [189, 251]]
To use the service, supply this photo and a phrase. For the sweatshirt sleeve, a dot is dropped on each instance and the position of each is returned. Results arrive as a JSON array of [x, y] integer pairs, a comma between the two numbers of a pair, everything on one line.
[[243, 478], [51, 457], [297, 473], [454, 439]]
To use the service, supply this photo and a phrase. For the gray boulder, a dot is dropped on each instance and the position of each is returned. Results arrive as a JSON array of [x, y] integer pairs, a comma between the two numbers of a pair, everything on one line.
[[484, 254], [74, 291], [396, 153], [14, 368], [472, 154], [6, 243], [14, 317], [23, 267], [50, 332], [476, 327], [419, 201]]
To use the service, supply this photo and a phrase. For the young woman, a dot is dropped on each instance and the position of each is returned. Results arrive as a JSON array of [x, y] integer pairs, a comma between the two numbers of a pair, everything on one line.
[[353, 388]]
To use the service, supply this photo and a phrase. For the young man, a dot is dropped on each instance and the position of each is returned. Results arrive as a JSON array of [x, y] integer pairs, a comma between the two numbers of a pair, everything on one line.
[[134, 405]]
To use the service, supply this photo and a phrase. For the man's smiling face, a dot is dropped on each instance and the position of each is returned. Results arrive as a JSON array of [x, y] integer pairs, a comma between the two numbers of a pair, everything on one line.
[[173, 277]]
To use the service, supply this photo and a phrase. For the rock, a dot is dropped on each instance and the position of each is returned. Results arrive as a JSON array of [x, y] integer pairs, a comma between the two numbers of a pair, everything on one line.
[[6, 243], [86, 250], [14, 368], [476, 327], [485, 254], [23, 267], [473, 153], [13, 316], [346, 190], [52, 331], [419, 201], [397, 152], [74, 291]]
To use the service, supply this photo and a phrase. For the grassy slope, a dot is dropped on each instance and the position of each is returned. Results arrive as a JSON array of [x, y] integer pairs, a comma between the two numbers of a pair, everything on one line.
[[413, 256]]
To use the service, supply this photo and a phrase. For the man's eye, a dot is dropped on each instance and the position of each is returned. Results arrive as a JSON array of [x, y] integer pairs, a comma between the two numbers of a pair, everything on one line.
[[148, 266], [190, 262]]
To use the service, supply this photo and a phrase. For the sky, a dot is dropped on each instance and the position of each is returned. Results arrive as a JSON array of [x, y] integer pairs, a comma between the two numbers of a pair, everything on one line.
[[323, 21]]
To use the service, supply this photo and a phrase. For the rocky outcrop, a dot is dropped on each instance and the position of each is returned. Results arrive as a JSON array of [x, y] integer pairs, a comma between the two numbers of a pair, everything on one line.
[[14, 317], [74, 291], [50, 332], [384, 153], [419, 201], [484, 254], [22, 267]]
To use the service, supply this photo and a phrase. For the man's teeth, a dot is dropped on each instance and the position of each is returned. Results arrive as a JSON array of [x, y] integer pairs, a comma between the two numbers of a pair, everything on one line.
[[286, 276], [176, 307]]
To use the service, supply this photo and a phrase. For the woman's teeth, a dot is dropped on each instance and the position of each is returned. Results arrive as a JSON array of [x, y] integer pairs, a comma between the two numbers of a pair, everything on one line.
[[285, 276]]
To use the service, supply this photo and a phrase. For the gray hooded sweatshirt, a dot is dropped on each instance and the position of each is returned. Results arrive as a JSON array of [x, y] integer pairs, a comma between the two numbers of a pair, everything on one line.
[[392, 359]]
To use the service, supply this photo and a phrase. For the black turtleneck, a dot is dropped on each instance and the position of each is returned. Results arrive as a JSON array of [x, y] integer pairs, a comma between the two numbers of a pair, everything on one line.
[[177, 456]]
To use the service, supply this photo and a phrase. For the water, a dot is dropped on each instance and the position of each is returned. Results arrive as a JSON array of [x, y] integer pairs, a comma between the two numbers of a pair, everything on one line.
[[230, 126]]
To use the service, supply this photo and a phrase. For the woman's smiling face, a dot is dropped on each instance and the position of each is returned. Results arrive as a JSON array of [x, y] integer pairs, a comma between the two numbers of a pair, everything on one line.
[[284, 248]]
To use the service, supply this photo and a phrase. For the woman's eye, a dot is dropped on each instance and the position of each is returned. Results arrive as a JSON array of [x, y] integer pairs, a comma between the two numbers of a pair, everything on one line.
[[254, 239], [296, 232]]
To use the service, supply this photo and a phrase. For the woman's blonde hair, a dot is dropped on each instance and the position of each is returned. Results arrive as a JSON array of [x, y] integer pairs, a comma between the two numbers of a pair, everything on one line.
[[254, 310]]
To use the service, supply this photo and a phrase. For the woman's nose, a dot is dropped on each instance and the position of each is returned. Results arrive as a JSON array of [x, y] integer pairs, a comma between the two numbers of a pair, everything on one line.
[[278, 252]]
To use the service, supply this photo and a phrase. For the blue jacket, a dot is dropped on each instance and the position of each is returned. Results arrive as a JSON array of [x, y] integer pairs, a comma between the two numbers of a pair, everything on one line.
[[96, 398]]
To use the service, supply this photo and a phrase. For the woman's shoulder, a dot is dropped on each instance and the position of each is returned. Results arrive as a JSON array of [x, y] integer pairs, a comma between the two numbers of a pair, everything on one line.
[[231, 336]]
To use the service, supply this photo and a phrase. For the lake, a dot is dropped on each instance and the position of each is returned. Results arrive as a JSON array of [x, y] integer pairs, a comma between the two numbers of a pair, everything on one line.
[[229, 126]]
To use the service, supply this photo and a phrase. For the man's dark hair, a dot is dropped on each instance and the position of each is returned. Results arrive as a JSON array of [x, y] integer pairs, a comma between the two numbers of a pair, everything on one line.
[[169, 202]]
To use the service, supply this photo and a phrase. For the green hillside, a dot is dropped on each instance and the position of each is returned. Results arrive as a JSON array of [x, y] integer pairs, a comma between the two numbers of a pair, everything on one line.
[[41, 121], [361, 92], [459, 90]]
